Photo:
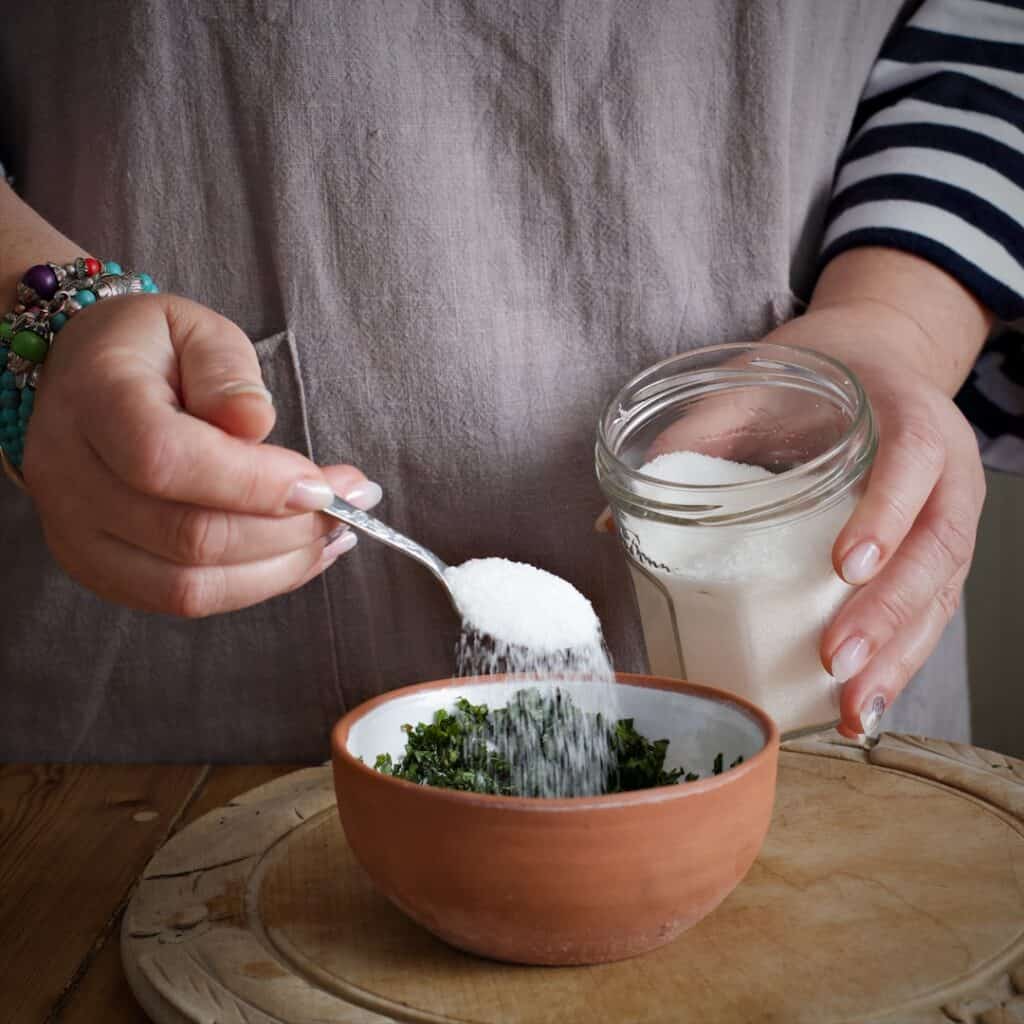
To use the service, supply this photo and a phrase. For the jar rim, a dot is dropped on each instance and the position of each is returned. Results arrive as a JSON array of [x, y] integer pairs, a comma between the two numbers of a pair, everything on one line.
[[861, 423]]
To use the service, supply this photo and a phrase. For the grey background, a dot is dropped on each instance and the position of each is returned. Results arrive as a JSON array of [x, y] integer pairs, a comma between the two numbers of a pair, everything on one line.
[[995, 619]]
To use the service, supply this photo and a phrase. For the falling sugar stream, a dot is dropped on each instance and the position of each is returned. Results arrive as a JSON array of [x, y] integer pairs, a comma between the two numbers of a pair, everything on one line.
[[537, 628]]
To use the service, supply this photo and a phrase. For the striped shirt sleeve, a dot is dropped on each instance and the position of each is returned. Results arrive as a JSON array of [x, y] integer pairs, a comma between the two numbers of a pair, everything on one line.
[[935, 163]]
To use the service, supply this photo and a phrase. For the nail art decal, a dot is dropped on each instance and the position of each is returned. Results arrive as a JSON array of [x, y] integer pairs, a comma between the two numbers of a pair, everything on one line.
[[871, 716]]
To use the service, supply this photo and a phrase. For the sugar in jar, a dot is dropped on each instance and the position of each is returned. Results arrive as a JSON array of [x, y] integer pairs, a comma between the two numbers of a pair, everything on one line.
[[730, 471]]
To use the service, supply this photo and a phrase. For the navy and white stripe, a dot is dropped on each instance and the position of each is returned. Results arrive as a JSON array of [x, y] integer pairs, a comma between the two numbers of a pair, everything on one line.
[[936, 161], [935, 166]]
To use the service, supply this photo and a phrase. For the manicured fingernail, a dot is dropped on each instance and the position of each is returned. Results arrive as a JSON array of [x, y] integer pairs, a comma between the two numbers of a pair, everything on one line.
[[338, 547], [851, 657], [366, 495], [310, 496], [871, 715], [860, 564], [245, 387]]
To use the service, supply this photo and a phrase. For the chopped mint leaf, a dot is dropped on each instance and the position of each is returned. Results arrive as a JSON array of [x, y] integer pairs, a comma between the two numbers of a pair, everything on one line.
[[455, 750]]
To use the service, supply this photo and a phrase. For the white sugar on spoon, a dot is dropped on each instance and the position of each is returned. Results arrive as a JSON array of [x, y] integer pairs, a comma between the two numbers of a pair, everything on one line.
[[522, 605]]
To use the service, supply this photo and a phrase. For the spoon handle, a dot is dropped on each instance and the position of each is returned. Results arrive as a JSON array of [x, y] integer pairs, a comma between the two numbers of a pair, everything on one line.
[[365, 523]]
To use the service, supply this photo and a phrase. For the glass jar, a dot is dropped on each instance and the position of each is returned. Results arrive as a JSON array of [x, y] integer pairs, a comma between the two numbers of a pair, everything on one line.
[[730, 471]]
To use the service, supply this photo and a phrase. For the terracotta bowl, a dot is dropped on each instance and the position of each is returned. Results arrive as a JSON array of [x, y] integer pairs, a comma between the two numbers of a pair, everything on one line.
[[570, 881]]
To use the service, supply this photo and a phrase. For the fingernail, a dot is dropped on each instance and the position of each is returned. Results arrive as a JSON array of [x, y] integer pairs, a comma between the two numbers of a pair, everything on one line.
[[366, 495], [851, 657], [310, 496], [245, 387], [338, 547], [871, 715], [605, 523], [860, 564]]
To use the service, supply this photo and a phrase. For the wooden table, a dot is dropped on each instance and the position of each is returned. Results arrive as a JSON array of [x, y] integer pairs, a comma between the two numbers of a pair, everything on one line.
[[73, 841]]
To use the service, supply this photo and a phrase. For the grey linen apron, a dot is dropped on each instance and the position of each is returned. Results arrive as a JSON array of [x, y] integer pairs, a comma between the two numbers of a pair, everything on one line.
[[452, 229]]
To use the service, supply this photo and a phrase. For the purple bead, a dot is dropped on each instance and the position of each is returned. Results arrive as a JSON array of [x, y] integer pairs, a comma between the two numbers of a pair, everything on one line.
[[42, 280]]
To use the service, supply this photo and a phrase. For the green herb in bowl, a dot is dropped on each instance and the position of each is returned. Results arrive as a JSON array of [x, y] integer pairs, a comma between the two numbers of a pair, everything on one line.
[[461, 749]]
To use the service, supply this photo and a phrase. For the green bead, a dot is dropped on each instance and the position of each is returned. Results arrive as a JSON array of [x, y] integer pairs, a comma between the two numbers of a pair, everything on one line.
[[7, 381], [28, 398], [57, 321], [146, 280], [9, 400], [85, 297], [24, 415], [6, 329], [110, 267], [30, 346]]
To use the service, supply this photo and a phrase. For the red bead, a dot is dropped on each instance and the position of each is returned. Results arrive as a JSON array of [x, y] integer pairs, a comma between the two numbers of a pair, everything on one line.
[[92, 267]]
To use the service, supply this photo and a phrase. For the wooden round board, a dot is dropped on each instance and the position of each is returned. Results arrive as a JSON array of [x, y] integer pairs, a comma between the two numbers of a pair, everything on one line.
[[890, 888]]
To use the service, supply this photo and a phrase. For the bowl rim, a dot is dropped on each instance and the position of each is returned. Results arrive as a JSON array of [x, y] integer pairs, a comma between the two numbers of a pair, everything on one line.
[[632, 798]]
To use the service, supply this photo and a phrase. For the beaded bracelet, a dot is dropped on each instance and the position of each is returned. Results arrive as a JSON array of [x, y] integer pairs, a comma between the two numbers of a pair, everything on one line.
[[48, 296]]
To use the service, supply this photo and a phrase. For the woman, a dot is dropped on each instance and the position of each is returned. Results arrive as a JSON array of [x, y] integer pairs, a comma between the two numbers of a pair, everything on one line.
[[453, 229]]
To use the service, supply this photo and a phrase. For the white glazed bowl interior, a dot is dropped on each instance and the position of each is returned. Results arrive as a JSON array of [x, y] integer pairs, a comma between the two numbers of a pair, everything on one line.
[[698, 727]]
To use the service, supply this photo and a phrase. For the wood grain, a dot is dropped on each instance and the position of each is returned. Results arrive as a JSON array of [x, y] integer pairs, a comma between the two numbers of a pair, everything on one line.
[[891, 888], [102, 993], [73, 839]]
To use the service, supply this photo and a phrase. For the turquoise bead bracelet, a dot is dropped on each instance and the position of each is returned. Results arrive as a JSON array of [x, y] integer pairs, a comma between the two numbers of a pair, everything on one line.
[[48, 296]]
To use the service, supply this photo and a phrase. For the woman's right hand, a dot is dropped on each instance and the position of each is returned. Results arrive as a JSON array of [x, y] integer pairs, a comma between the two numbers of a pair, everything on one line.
[[145, 460]]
